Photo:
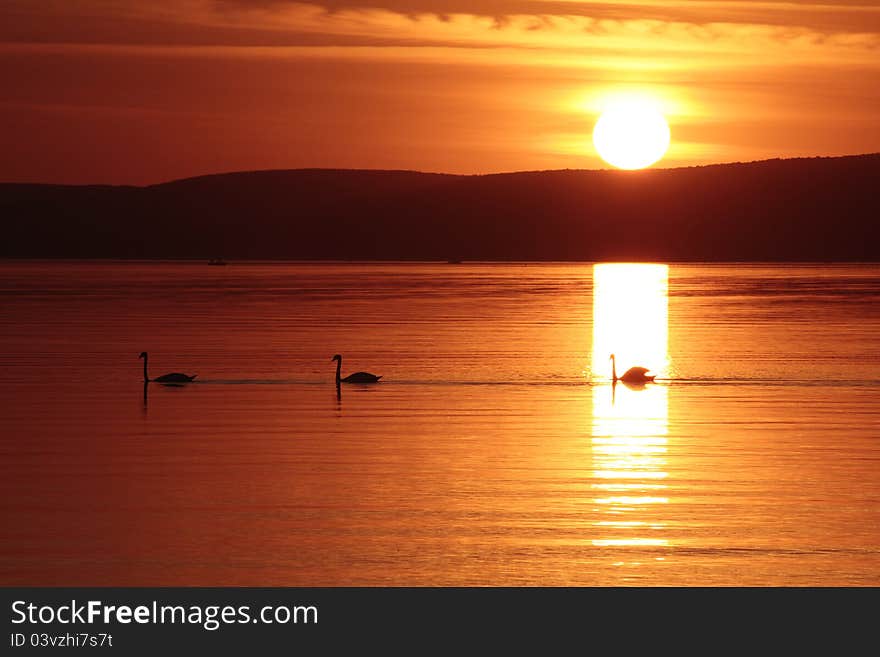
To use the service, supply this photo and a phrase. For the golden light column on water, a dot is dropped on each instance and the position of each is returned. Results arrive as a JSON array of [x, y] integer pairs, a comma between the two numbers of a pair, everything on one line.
[[630, 424], [630, 318]]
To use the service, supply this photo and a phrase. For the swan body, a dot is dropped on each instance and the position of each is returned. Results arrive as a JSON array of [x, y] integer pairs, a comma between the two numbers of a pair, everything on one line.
[[173, 377], [632, 375], [357, 377]]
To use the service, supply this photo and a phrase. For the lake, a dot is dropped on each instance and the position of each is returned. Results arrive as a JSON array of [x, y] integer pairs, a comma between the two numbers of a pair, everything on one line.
[[494, 451]]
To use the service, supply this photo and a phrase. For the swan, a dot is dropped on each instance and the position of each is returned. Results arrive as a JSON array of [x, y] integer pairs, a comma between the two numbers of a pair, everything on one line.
[[174, 377], [357, 377], [632, 375]]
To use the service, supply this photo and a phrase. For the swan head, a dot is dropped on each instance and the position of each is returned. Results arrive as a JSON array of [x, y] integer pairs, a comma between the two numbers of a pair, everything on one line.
[[336, 357], [611, 357], [143, 354]]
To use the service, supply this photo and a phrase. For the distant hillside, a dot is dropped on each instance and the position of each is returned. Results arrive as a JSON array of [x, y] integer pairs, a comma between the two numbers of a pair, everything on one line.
[[798, 209]]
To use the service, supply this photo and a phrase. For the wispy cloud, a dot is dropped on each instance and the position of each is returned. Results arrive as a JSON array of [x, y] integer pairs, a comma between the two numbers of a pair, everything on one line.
[[520, 39]]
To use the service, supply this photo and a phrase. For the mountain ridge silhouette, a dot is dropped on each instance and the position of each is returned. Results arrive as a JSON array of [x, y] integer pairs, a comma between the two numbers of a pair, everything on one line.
[[797, 209]]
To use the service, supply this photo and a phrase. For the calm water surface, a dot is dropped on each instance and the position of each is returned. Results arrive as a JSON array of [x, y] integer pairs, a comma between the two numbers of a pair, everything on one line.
[[495, 451]]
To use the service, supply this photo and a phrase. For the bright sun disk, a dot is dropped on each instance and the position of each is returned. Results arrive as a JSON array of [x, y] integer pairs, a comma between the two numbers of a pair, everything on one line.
[[631, 134]]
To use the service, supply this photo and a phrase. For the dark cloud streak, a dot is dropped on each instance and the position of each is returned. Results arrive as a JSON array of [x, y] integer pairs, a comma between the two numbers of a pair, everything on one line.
[[85, 22]]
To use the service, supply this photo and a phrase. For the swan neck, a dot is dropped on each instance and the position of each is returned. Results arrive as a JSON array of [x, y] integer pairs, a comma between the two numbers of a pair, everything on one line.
[[338, 370], [613, 368], [145, 370]]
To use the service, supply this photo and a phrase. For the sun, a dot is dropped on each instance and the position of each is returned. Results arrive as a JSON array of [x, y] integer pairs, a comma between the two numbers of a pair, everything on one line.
[[631, 133]]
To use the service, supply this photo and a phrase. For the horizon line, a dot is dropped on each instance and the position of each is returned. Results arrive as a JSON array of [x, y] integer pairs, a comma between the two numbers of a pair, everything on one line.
[[455, 175]]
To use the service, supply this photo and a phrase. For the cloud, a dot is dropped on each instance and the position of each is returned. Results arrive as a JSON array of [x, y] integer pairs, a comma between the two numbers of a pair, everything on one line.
[[563, 40], [825, 15]]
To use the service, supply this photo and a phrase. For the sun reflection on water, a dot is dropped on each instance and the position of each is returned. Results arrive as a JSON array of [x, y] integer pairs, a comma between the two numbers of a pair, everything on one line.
[[630, 317], [630, 424]]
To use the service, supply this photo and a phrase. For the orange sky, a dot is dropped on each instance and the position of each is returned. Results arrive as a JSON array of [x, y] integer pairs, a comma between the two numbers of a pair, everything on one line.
[[108, 91]]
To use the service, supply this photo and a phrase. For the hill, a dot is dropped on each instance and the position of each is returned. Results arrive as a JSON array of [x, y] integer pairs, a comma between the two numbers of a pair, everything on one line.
[[776, 210]]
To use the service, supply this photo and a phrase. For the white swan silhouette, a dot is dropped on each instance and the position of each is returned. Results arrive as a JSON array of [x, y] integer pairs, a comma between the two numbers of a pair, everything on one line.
[[173, 377], [632, 375], [357, 377]]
